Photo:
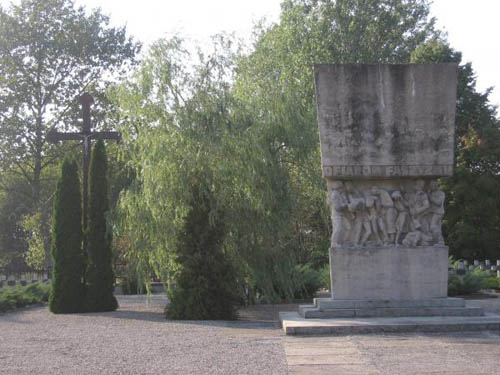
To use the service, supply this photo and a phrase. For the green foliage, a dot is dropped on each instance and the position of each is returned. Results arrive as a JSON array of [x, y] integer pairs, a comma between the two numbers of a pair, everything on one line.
[[99, 274], [130, 286], [67, 291], [50, 51], [472, 217], [490, 283], [308, 281], [17, 297], [324, 276], [35, 257], [275, 83], [205, 284], [246, 126], [469, 283], [13, 207]]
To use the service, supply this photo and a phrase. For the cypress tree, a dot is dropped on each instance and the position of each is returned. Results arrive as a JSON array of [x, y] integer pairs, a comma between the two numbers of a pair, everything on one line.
[[206, 283], [67, 280], [99, 276]]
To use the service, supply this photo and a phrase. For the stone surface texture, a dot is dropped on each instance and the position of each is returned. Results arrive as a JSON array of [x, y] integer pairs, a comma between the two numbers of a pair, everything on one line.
[[452, 353], [384, 121], [294, 324], [389, 273], [337, 308]]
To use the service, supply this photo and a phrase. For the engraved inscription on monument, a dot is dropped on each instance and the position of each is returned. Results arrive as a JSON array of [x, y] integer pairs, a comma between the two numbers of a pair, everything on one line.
[[383, 121]]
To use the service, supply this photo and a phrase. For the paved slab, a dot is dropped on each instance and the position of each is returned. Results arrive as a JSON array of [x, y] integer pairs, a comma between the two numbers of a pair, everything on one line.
[[452, 353]]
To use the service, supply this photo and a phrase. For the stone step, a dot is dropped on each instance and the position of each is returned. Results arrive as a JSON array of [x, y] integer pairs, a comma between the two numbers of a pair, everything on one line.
[[315, 313], [293, 324], [329, 303]]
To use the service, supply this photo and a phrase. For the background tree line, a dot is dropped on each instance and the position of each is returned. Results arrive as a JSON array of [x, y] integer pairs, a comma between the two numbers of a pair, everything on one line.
[[240, 126]]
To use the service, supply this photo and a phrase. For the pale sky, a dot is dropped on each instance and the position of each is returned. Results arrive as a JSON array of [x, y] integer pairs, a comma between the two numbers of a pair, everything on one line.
[[472, 25]]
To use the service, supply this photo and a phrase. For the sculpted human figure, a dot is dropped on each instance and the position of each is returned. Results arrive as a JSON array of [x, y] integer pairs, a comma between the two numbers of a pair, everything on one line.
[[401, 207], [436, 197], [371, 206], [388, 214], [416, 238], [361, 221], [419, 203], [340, 210]]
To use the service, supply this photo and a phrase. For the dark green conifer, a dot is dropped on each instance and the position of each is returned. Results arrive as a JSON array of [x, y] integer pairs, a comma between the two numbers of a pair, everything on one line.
[[206, 285], [99, 276], [67, 279]]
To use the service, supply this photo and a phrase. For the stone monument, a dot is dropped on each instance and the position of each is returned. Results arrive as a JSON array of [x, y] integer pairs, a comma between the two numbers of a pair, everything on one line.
[[386, 135]]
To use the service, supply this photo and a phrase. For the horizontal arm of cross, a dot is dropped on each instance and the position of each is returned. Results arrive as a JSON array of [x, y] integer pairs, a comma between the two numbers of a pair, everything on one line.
[[55, 136], [106, 135]]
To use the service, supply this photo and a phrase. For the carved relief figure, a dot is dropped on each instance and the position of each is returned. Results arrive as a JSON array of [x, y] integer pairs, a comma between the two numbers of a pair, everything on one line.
[[361, 221], [371, 205], [340, 211], [436, 197], [371, 215], [401, 207], [418, 204], [388, 214]]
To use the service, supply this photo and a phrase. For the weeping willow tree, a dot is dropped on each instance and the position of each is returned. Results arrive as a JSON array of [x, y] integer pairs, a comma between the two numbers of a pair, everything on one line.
[[246, 125], [182, 125]]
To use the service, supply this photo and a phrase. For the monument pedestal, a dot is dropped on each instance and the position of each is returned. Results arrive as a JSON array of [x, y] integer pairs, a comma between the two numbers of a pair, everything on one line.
[[388, 281], [389, 273]]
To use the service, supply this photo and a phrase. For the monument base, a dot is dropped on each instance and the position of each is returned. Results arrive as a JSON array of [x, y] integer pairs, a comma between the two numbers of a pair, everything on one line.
[[293, 324], [326, 308], [389, 272]]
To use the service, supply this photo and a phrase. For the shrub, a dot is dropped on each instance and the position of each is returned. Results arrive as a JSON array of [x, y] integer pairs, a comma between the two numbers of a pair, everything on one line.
[[205, 286], [17, 297], [490, 283], [469, 283], [324, 277], [307, 281], [67, 291], [99, 275]]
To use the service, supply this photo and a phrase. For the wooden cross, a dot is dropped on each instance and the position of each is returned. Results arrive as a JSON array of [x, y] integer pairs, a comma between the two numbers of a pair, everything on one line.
[[86, 136]]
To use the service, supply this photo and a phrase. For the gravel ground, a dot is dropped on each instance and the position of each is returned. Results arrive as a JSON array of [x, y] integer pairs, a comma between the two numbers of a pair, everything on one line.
[[136, 339]]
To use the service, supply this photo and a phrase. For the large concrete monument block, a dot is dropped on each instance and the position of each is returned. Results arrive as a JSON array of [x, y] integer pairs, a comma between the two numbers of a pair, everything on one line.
[[387, 133], [386, 121]]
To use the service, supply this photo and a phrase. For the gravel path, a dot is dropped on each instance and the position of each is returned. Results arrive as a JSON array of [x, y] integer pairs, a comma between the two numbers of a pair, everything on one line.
[[136, 339]]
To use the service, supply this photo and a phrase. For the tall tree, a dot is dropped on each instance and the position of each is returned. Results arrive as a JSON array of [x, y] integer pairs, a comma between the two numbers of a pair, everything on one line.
[[67, 290], [472, 217], [99, 276], [50, 52], [276, 84]]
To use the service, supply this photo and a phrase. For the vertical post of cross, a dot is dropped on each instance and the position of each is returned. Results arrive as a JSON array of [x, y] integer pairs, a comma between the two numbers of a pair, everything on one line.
[[85, 100]]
